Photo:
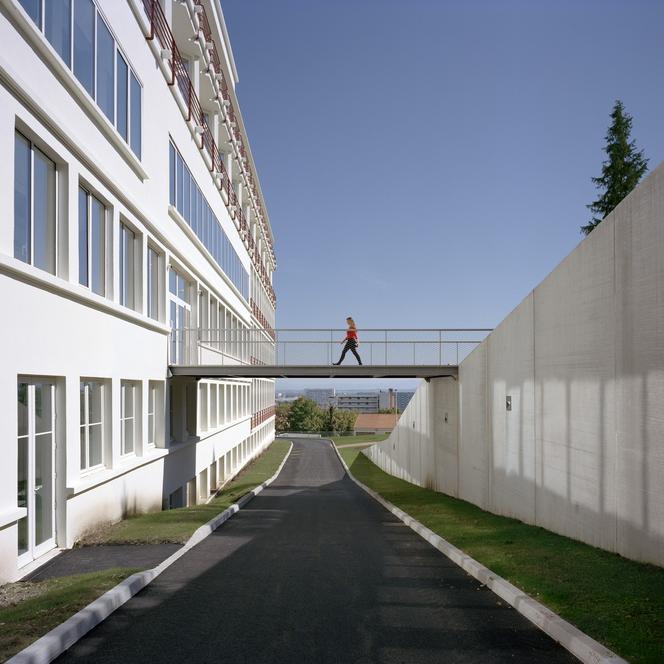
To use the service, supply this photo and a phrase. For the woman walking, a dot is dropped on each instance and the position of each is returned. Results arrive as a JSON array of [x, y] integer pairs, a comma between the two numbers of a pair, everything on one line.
[[351, 342]]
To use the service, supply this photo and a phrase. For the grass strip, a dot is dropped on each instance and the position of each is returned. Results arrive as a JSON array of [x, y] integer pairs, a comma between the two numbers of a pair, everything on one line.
[[362, 438], [177, 525], [53, 602], [618, 602]]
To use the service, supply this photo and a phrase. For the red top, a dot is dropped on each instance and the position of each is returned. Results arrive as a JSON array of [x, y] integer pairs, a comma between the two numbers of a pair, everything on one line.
[[351, 333]]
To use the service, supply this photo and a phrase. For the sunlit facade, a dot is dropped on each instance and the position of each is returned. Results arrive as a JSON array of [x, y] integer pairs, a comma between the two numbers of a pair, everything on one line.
[[133, 236]]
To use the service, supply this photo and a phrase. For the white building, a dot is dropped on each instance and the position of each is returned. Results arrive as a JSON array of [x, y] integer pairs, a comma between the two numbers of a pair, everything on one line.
[[129, 207]]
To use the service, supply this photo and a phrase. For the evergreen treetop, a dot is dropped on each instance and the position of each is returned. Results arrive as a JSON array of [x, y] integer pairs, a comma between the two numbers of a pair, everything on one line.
[[621, 171]]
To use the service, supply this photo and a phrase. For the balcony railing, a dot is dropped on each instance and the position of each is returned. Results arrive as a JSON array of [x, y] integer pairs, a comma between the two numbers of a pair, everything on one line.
[[262, 415], [179, 75], [322, 347]]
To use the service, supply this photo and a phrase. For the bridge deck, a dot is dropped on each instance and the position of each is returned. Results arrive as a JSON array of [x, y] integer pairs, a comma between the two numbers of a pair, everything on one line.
[[315, 371]]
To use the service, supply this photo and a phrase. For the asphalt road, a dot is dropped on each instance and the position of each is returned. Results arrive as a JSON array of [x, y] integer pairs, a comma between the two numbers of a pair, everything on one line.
[[314, 570]]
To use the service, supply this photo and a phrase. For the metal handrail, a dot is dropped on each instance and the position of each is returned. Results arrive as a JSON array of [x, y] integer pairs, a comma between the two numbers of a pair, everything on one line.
[[259, 345]]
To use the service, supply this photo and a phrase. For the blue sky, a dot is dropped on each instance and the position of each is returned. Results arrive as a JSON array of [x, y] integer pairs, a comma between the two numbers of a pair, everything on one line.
[[427, 163]]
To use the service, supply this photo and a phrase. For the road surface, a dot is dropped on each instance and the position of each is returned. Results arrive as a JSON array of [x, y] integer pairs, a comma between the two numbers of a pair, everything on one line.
[[314, 570]]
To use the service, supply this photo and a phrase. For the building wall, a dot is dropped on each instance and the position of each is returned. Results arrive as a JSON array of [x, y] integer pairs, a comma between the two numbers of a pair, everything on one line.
[[581, 450], [57, 329]]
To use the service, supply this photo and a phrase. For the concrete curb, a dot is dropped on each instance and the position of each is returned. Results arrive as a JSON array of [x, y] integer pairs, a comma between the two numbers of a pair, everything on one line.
[[62, 637], [579, 644]]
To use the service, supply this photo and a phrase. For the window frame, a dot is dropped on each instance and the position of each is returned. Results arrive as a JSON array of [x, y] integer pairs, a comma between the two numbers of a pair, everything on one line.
[[85, 469], [123, 262], [31, 204], [105, 219], [157, 287], [132, 385]]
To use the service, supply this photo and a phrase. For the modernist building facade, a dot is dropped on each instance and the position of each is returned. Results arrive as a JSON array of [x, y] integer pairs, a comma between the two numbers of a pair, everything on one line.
[[133, 235]]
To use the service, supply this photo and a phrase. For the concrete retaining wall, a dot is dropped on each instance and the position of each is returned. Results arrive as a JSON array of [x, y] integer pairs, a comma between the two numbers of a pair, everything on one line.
[[581, 452]]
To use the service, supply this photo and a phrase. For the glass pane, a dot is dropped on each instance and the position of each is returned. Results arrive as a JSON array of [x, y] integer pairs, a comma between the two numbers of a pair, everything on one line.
[[44, 212], [43, 407], [22, 493], [127, 400], [94, 402], [153, 284], [105, 74], [33, 9], [83, 237], [135, 96], [173, 321], [43, 488], [151, 398], [182, 288], [97, 246], [96, 453], [22, 397], [122, 92], [171, 173], [128, 436], [22, 198], [84, 455], [127, 267], [57, 19], [84, 36], [180, 176], [151, 436], [185, 194], [172, 282]]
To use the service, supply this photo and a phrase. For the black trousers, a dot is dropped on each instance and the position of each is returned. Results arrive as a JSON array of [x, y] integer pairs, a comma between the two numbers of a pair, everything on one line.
[[351, 345]]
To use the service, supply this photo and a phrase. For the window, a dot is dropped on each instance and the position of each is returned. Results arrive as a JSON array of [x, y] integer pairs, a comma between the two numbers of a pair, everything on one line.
[[122, 97], [153, 401], [105, 69], [35, 236], [154, 283], [180, 311], [57, 27], [127, 266], [95, 59], [33, 9], [203, 406], [92, 424], [84, 37], [135, 120], [213, 405], [91, 242], [127, 417], [189, 201]]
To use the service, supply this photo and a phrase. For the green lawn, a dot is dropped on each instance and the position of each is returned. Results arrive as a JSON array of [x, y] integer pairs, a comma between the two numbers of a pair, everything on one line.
[[53, 602], [363, 438], [178, 525], [618, 602]]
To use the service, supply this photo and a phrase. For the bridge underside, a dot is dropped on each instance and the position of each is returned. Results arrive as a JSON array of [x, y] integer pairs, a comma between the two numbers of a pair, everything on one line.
[[314, 371]]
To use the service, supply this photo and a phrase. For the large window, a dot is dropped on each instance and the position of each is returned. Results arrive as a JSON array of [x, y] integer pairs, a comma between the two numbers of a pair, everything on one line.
[[128, 416], [179, 313], [91, 242], [92, 424], [95, 58], [188, 199], [154, 283], [35, 205], [127, 266]]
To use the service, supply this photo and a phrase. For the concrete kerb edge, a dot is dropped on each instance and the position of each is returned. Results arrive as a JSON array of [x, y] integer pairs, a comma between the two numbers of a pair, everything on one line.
[[65, 635], [582, 646]]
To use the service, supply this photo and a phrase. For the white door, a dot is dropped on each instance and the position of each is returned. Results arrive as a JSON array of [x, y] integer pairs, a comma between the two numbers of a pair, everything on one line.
[[36, 468]]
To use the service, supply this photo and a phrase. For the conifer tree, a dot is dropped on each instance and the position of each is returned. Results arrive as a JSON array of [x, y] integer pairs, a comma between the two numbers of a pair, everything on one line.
[[621, 171]]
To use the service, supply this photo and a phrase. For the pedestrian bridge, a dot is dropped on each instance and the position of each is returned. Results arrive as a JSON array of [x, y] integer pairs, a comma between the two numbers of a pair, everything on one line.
[[311, 353]]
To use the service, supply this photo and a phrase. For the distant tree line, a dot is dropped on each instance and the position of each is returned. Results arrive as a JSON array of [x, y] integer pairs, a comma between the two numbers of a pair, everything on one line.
[[304, 415]]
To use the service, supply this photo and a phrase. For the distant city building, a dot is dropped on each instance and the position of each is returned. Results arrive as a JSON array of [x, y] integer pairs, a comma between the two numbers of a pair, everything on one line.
[[403, 399], [362, 402], [387, 399], [321, 396]]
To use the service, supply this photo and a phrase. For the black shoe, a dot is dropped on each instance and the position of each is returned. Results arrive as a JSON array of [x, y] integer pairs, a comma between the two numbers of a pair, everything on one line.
[[336, 364]]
